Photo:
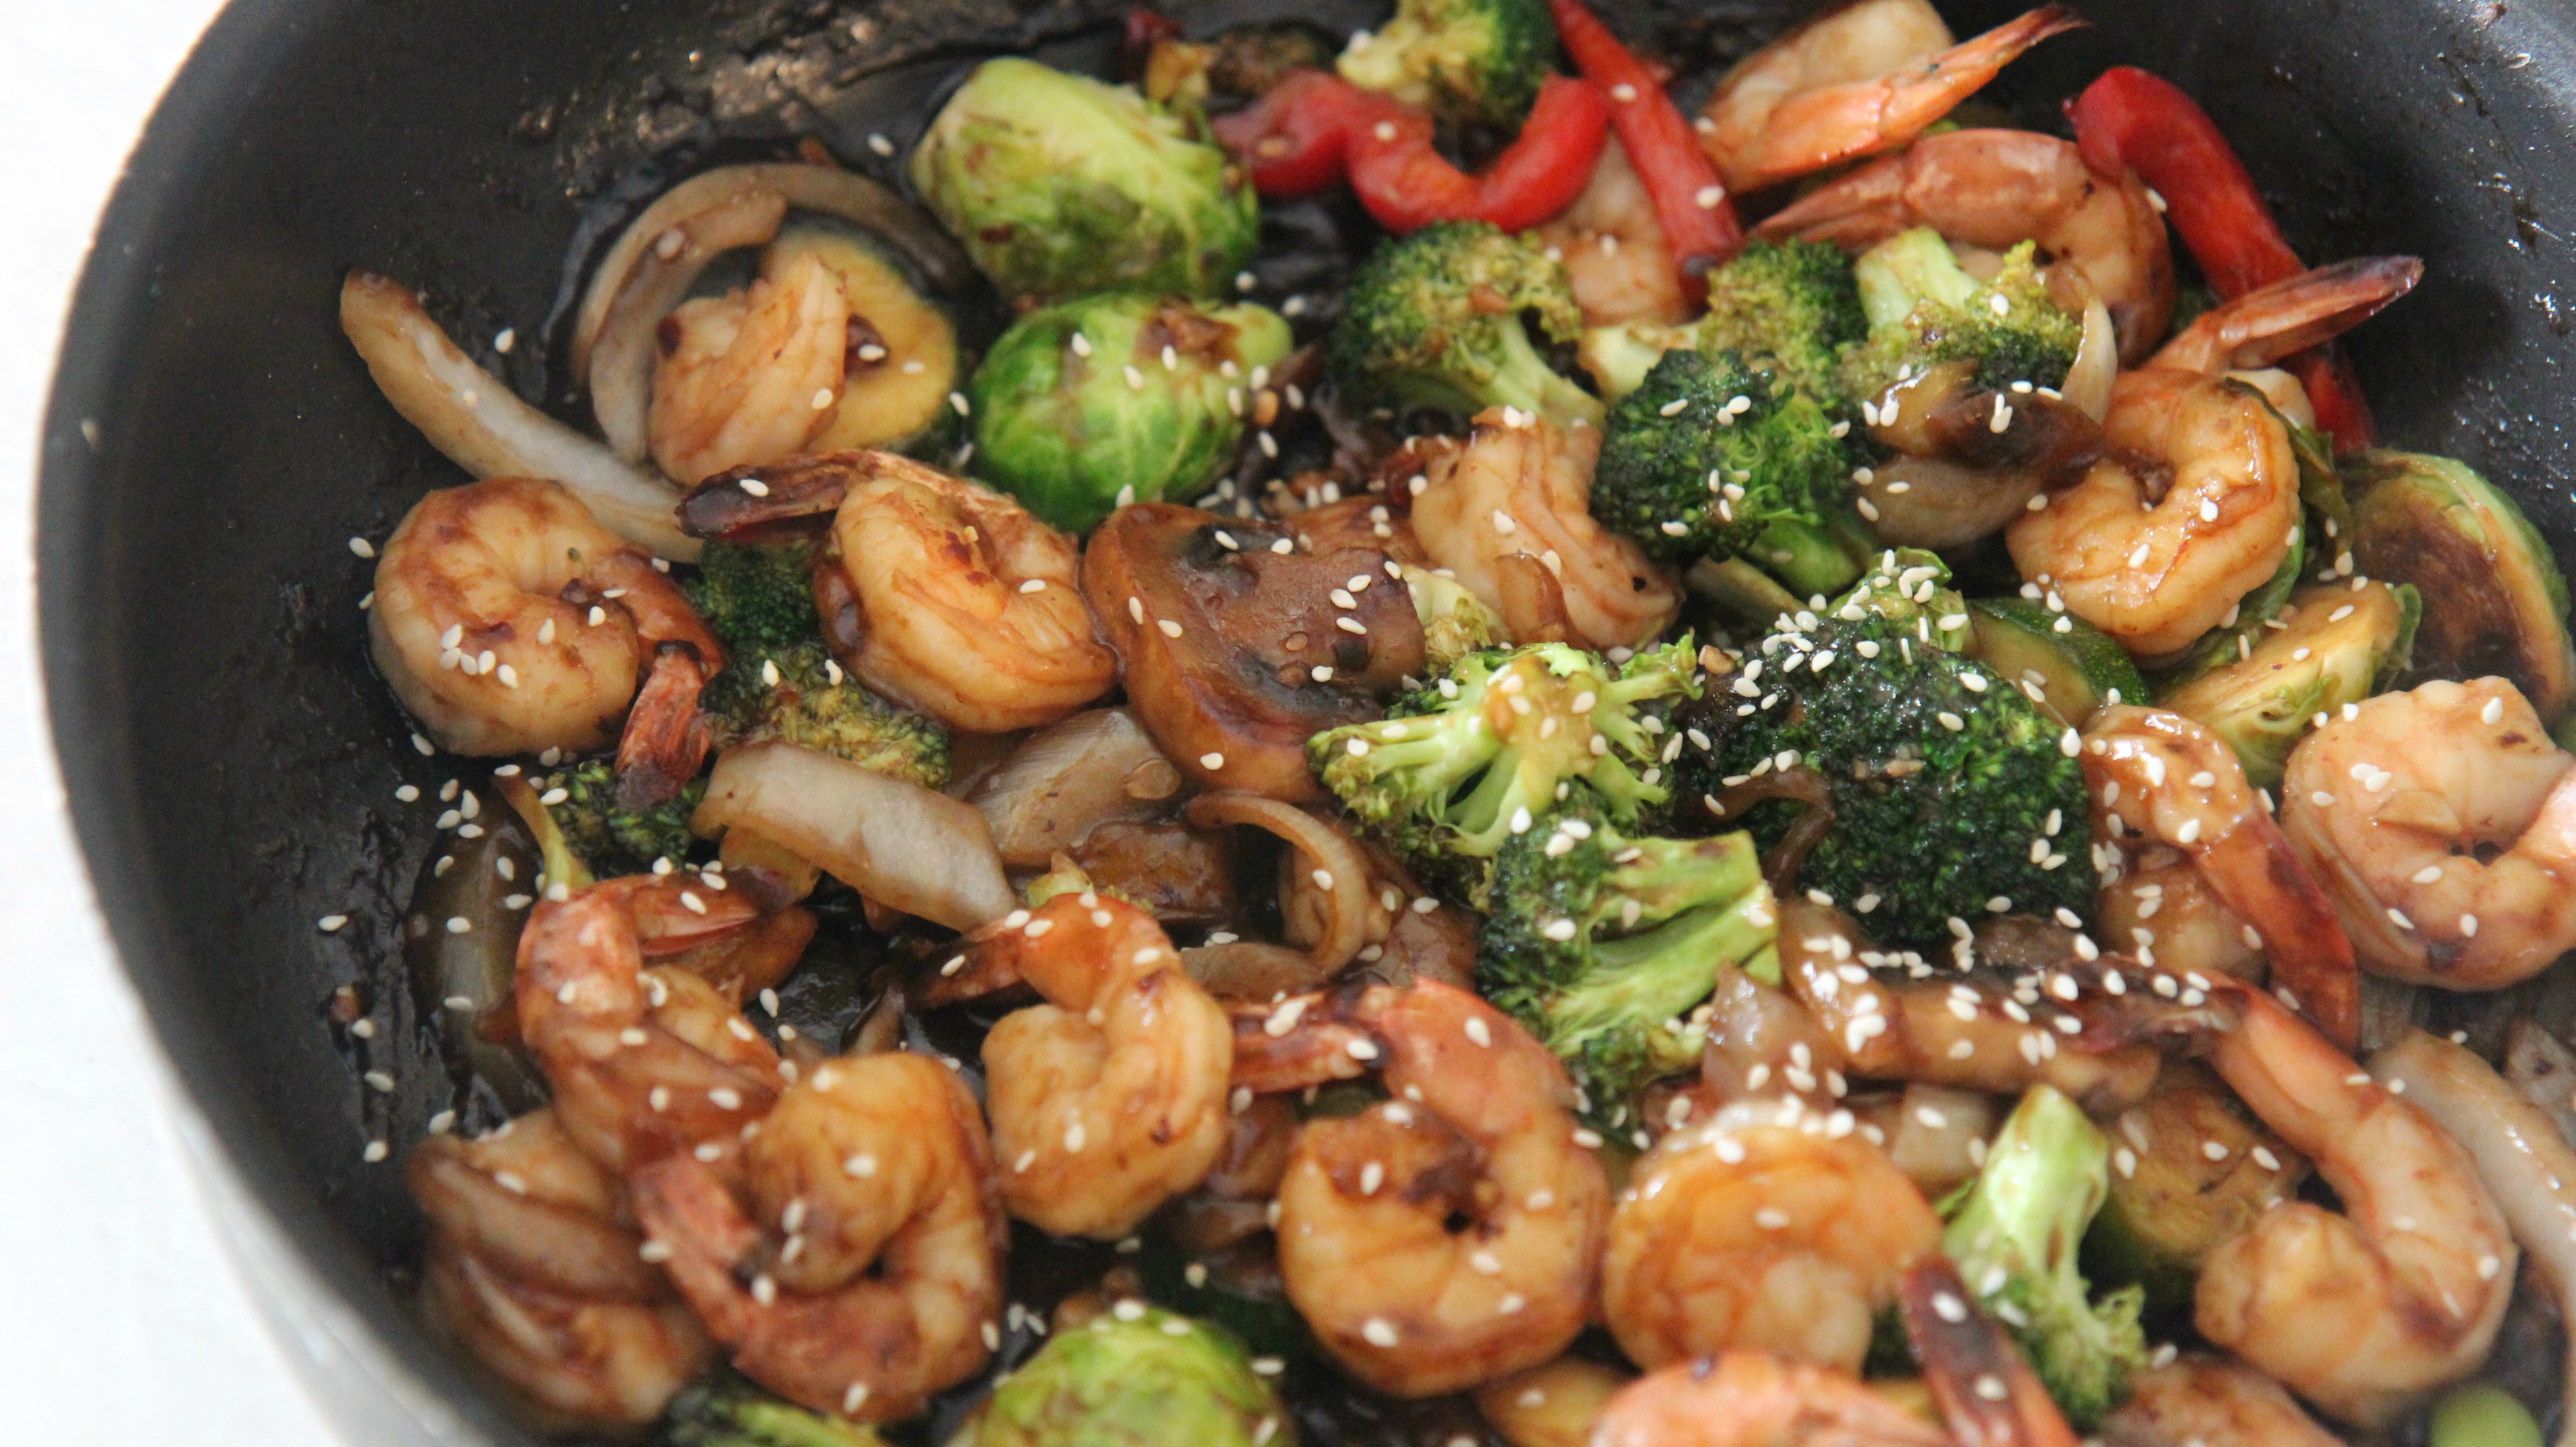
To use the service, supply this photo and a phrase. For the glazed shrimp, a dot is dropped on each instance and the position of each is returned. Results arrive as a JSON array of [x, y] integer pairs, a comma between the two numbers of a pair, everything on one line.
[[2164, 777], [2214, 1402], [644, 1063], [1854, 81], [1510, 515], [1767, 1226], [2360, 1313], [1448, 1236], [1614, 249], [738, 376], [2442, 824], [1754, 1399], [867, 1273], [939, 592], [508, 621], [529, 1269], [1993, 188], [2196, 499], [1110, 1098]]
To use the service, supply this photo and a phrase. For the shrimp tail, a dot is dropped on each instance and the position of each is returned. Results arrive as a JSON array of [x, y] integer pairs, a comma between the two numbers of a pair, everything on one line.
[[792, 499], [1305, 1040], [2255, 873], [688, 1213], [1986, 1392], [666, 738], [2291, 315]]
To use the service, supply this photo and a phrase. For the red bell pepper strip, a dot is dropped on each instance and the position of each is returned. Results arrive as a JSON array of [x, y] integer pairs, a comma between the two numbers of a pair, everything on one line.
[[2132, 119], [1698, 217], [1313, 129]]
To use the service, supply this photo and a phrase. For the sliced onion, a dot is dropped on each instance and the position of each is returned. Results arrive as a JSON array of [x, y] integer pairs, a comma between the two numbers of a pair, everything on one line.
[[637, 284], [620, 376], [1067, 778], [1326, 858], [483, 427], [1248, 970], [898, 843], [2097, 363]]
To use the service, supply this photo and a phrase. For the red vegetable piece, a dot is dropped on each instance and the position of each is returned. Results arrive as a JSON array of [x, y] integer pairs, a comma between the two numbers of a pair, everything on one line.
[[2145, 123], [1294, 137], [1698, 217], [1408, 185]]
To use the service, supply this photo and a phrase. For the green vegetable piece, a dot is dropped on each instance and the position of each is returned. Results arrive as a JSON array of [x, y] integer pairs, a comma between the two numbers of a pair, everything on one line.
[[609, 838], [757, 596], [2500, 601], [1464, 60], [1954, 795], [1435, 319], [799, 696], [734, 1413], [1455, 622], [2076, 667], [2229, 642], [2336, 646], [1921, 317], [2170, 1205], [2479, 1414], [1087, 405], [1742, 591], [1600, 942], [1787, 308], [1706, 457], [1451, 775], [1058, 185], [2014, 1239], [1134, 1378]]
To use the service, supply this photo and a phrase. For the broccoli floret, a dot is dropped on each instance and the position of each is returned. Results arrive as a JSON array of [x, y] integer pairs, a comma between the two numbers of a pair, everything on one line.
[[1435, 320], [757, 596], [1709, 458], [1953, 794], [1787, 308], [1471, 60], [736, 1414], [607, 836], [1505, 740], [1599, 942], [1455, 622], [799, 695], [1925, 310], [2015, 1240]]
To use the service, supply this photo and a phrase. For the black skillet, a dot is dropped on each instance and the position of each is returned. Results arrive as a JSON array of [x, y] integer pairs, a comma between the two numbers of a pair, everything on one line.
[[212, 443]]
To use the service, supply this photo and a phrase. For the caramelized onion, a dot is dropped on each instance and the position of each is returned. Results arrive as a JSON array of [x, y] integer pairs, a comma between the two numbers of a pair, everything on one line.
[[1326, 858], [1069, 777], [1221, 637], [1803, 785], [483, 427], [898, 843], [1249, 970]]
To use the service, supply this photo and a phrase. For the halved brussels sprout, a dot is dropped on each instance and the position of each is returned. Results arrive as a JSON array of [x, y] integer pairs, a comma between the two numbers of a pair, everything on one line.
[[2335, 645], [1059, 185], [903, 351], [2190, 1167], [1134, 1376], [1083, 407], [2500, 602], [2074, 667]]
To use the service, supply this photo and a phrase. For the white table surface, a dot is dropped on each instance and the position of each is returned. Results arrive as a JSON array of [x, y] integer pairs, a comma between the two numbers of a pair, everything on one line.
[[122, 1319]]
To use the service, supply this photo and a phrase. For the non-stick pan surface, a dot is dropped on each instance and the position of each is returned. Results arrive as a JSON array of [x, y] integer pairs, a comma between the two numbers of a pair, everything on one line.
[[213, 444]]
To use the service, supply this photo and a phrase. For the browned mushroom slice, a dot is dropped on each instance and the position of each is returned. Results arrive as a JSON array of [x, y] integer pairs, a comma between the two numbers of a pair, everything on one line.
[[1238, 647]]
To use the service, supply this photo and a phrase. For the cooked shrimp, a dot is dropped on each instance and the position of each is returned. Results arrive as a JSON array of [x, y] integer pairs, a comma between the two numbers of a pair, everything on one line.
[[529, 1269], [1109, 1098], [1448, 1236], [2360, 1313], [2442, 824], [2070, 1027], [644, 1063], [1614, 249], [867, 1274], [1768, 1226], [747, 378], [946, 595], [2159, 775], [1510, 515], [508, 621], [2158, 902], [2214, 1402], [1853, 81], [2196, 500], [1993, 188], [1551, 1406], [1978, 1376], [1754, 1399]]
